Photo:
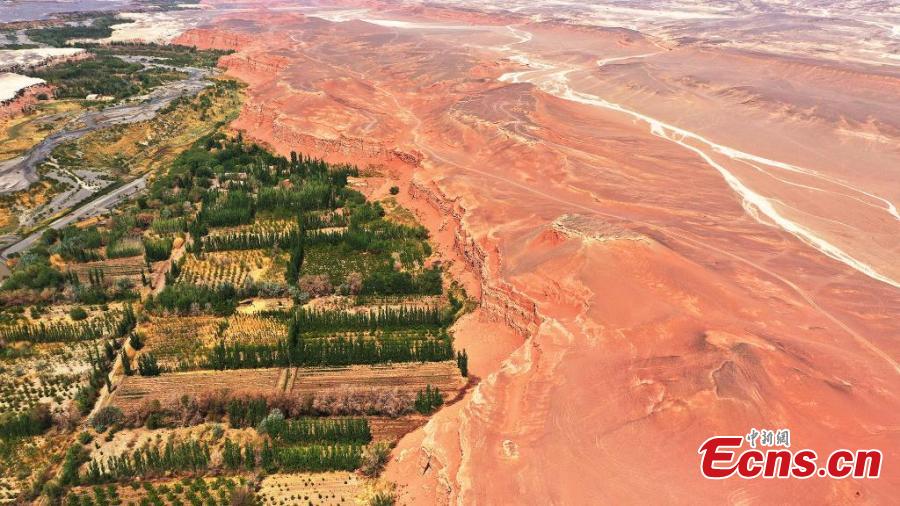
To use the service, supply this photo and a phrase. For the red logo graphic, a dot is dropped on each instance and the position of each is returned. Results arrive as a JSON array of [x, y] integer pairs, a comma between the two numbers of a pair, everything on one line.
[[721, 458]]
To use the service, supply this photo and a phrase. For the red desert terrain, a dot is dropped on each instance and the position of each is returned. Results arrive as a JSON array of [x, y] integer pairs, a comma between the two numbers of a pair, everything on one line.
[[670, 239]]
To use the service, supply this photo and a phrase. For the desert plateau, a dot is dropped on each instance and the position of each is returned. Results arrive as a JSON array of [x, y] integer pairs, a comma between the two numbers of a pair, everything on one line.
[[448, 252]]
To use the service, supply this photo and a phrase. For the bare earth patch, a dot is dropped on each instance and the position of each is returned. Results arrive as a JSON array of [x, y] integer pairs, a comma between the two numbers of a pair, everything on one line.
[[319, 489]]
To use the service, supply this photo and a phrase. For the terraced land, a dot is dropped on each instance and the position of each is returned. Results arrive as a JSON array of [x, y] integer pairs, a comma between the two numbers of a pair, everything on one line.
[[137, 391], [247, 316]]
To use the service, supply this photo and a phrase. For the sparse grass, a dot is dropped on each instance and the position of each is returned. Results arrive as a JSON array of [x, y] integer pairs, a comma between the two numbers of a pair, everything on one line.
[[141, 147], [398, 214], [21, 133]]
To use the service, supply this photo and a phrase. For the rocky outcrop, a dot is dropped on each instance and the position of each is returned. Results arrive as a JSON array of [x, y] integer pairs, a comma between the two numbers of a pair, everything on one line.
[[24, 100], [499, 299], [266, 123], [655, 311], [210, 38], [240, 64]]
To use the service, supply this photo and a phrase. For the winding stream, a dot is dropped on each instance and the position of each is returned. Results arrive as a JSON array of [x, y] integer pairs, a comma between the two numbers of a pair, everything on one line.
[[19, 173], [553, 78]]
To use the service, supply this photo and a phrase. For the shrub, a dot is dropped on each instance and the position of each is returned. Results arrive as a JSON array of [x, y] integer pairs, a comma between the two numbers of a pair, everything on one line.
[[150, 460], [383, 498], [36, 275], [363, 401], [136, 341], [374, 458], [395, 190], [31, 423], [156, 250], [390, 282], [52, 490], [60, 331], [462, 361], [322, 430], [317, 458], [242, 496], [428, 400], [148, 366], [248, 412], [322, 352], [272, 424], [154, 421], [354, 283], [78, 313], [249, 409], [126, 363], [190, 299], [75, 455], [49, 236], [84, 399], [317, 285], [106, 417]]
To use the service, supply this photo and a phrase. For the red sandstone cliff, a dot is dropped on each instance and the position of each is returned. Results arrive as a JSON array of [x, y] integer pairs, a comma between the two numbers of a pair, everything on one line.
[[655, 312], [24, 101]]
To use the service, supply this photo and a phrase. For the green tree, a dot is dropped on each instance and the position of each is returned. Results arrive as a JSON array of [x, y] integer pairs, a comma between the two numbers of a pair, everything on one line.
[[462, 361], [148, 366]]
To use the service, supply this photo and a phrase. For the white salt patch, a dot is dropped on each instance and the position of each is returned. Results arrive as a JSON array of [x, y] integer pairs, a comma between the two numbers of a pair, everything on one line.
[[159, 27], [11, 58], [11, 84]]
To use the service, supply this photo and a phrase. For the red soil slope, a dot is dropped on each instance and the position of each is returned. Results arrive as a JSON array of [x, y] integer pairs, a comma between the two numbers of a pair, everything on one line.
[[632, 304], [25, 101]]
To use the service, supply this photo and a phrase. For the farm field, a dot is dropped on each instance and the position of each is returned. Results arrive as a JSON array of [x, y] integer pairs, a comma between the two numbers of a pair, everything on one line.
[[360, 304], [178, 343], [264, 305], [211, 491], [319, 489], [247, 326], [44, 373], [392, 429], [405, 377], [300, 384], [136, 391], [236, 268], [126, 267]]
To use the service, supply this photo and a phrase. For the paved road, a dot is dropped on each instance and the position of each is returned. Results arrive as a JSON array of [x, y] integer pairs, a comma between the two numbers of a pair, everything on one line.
[[97, 206], [20, 173]]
